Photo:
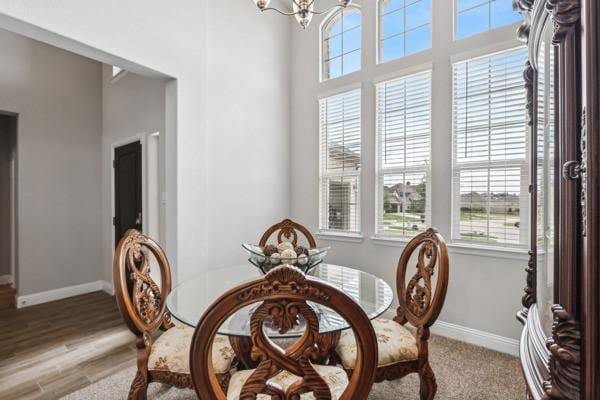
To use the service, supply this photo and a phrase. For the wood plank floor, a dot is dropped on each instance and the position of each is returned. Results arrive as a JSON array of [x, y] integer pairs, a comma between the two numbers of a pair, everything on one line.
[[53, 349]]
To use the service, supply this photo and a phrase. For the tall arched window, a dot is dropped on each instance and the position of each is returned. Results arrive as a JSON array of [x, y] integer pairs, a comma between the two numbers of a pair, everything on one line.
[[341, 43]]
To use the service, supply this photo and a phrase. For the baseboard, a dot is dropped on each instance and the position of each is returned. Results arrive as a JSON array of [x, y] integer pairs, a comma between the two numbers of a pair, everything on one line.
[[108, 287], [6, 279], [469, 335], [58, 294], [476, 337]]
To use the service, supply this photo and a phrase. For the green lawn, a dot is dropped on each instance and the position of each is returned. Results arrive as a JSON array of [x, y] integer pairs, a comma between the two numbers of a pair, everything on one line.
[[470, 216], [475, 236], [401, 218]]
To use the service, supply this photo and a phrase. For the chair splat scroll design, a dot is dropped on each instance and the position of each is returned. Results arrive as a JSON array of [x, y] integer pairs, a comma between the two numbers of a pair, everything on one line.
[[285, 374], [287, 230], [142, 303], [421, 295]]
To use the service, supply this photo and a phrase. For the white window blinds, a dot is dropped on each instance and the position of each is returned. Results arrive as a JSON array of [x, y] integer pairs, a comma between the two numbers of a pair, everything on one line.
[[340, 159], [490, 171], [403, 155]]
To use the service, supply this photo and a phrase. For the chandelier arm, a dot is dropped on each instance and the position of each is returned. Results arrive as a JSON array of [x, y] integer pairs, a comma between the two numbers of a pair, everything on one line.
[[289, 14], [313, 2]]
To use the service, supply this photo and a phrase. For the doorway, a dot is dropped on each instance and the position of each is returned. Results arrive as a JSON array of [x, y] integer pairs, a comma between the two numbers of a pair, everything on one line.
[[128, 189], [8, 154]]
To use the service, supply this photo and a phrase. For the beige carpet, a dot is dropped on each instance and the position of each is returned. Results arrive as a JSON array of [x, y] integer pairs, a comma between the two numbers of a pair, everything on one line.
[[463, 372]]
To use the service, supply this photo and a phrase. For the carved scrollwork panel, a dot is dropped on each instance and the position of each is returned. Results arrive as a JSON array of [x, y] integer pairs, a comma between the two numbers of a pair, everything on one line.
[[283, 285], [147, 296], [143, 303], [297, 359], [418, 290], [524, 7], [583, 172], [565, 360], [419, 304], [565, 14], [529, 298], [179, 380], [287, 231]]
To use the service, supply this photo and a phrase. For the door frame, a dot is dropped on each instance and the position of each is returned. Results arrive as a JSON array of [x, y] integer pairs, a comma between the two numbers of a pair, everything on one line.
[[14, 204], [142, 138]]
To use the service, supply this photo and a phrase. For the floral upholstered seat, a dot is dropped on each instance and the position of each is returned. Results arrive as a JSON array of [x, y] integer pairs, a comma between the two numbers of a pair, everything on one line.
[[171, 352], [395, 344], [335, 377]]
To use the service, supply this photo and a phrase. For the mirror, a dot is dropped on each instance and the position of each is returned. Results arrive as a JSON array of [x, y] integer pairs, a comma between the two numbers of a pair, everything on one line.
[[545, 135]]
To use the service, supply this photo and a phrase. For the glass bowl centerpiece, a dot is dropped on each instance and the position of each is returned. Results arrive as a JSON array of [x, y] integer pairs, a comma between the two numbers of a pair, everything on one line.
[[270, 256]]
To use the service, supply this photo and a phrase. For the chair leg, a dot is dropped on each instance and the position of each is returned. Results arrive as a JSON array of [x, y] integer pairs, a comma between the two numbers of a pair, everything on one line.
[[139, 387], [428, 384]]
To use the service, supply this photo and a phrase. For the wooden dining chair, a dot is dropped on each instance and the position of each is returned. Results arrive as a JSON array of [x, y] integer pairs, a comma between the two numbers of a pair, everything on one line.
[[287, 230], [421, 299], [292, 373], [143, 308]]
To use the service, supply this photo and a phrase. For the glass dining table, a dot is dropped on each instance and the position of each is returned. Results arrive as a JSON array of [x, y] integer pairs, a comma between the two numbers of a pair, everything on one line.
[[188, 301]]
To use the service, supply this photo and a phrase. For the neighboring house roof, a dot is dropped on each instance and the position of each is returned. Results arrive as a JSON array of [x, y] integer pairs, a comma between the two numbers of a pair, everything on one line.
[[396, 194], [339, 154]]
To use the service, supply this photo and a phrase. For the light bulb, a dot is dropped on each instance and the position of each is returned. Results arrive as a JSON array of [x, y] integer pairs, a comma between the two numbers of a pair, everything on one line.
[[262, 4]]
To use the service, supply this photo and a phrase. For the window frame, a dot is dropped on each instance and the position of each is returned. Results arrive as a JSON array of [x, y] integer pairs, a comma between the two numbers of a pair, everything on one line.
[[323, 212], [381, 172], [330, 19], [455, 14], [379, 37], [522, 164]]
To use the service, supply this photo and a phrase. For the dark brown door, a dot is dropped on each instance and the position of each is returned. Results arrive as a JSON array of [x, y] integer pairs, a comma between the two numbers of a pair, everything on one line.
[[128, 189]]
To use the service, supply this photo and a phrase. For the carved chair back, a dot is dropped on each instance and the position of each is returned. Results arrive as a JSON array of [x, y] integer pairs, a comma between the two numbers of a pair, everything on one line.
[[143, 307], [421, 293], [283, 294], [287, 230]]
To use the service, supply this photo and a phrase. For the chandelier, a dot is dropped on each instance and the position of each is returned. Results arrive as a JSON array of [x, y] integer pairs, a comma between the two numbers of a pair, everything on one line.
[[303, 10]]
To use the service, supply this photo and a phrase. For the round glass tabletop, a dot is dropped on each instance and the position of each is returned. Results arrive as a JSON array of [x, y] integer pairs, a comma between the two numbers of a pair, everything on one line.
[[188, 301]]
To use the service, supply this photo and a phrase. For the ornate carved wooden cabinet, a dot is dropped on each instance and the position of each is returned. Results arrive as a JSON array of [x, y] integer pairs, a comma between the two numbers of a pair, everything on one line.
[[560, 350]]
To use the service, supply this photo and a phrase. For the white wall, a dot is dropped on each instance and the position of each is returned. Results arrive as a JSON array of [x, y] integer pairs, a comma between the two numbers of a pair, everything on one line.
[[58, 98], [248, 118], [484, 292], [132, 109], [172, 37]]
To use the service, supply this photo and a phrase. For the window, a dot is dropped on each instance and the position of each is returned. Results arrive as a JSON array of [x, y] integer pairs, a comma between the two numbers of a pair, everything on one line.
[[340, 158], [476, 16], [404, 28], [341, 44], [403, 153], [490, 170]]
